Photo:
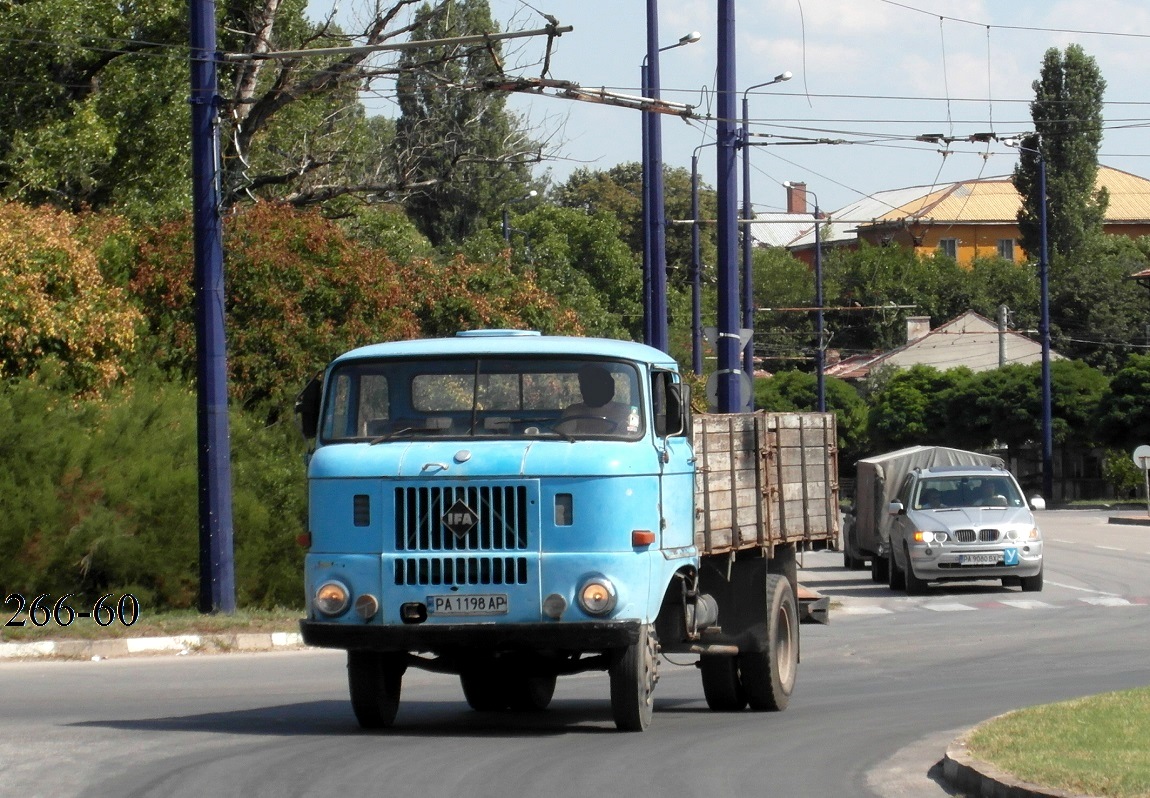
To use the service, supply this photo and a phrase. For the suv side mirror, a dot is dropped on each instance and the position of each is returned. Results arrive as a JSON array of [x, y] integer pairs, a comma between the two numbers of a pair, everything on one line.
[[1037, 503], [307, 407], [895, 508]]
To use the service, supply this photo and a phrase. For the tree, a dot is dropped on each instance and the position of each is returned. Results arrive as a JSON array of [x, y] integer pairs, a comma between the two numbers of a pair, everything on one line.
[[94, 110], [916, 406], [1097, 312], [1067, 114], [56, 304], [1123, 412], [619, 191], [458, 150]]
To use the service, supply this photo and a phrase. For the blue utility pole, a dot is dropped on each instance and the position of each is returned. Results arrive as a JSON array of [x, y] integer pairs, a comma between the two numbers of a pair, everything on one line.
[[729, 373], [217, 570], [656, 216]]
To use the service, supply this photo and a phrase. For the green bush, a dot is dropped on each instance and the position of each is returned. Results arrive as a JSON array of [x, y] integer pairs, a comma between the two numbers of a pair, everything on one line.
[[100, 496]]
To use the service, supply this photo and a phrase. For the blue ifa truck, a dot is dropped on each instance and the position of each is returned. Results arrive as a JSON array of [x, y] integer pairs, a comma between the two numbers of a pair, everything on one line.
[[512, 507]]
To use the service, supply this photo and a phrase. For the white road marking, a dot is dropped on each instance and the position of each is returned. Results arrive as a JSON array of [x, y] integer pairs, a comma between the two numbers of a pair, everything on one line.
[[865, 609], [948, 607], [1107, 601], [1026, 604], [1110, 548], [1082, 589]]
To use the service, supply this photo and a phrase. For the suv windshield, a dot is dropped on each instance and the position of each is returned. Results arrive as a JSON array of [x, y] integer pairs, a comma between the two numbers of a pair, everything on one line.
[[991, 490], [569, 398]]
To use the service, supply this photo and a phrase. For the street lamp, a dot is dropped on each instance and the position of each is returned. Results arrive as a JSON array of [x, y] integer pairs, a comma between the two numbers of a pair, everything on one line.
[[506, 228], [654, 225], [820, 353], [748, 298], [1044, 321]]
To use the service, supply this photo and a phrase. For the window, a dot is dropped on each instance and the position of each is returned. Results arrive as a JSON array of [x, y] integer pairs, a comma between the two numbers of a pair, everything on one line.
[[1006, 248], [948, 247]]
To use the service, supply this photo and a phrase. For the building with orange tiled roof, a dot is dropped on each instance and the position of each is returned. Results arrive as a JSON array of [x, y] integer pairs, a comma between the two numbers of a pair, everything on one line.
[[966, 220]]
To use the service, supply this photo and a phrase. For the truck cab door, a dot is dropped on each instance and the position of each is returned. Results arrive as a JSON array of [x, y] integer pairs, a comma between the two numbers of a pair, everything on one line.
[[671, 405]]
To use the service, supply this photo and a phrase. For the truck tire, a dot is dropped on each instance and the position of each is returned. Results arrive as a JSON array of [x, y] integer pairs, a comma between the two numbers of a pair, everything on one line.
[[634, 673], [914, 585], [374, 681], [721, 686], [485, 689], [531, 693], [1032, 584], [768, 676]]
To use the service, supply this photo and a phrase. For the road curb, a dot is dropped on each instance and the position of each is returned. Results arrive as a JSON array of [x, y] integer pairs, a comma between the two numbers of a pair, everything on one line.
[[180, 645], [977, 778], [1129, 520]]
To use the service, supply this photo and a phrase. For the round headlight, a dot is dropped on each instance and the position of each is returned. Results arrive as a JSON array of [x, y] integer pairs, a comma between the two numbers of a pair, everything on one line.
[[597, 596], [331, 598]]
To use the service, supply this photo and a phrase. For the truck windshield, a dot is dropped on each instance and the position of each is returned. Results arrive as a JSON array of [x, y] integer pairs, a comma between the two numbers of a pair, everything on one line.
[[558, 398]]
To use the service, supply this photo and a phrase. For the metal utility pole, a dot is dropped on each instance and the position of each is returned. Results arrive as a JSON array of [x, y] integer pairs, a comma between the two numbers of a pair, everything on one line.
[[729, 373], [217, 568]]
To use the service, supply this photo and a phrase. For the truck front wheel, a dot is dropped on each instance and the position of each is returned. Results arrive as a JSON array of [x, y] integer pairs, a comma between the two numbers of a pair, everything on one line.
[[374, 680], [634, 674], [768, 676]]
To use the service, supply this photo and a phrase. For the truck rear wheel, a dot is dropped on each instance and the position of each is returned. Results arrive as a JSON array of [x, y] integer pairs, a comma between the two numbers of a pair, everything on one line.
[[768, 676], [374, 680], [721, 686], [633, 677]]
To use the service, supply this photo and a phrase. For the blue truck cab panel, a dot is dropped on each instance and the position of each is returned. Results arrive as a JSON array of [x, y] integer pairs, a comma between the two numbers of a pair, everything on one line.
[[496, 490]]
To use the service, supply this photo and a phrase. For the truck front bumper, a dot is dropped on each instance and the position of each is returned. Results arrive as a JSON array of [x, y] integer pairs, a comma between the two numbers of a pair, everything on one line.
[[575, 637]]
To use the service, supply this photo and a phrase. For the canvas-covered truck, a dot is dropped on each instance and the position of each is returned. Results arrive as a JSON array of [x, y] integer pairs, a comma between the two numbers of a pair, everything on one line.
[[512, 507], [866, 531]]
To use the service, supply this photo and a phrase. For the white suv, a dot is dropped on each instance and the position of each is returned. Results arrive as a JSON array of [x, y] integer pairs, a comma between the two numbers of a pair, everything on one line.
[[963, 522]]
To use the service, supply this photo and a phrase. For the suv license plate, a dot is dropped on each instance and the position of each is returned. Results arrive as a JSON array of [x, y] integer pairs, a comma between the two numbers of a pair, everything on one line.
[[469, 604], [978, 559]]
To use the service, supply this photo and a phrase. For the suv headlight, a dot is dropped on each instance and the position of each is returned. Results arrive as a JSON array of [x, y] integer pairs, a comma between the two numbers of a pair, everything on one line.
[[921, 536]]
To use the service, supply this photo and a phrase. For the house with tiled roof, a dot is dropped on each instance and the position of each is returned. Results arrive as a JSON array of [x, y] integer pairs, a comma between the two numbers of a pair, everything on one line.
[[970, 340], [966, 220]]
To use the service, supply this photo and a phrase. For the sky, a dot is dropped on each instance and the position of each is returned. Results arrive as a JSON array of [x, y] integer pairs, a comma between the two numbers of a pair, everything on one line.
[[873, 74]]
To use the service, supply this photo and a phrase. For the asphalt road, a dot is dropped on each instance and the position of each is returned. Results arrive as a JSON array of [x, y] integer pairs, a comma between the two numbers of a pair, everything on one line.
[[881, 691]]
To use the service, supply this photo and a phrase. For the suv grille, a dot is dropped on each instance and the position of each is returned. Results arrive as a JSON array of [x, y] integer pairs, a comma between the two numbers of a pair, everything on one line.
[[976, 535], [462, 518]]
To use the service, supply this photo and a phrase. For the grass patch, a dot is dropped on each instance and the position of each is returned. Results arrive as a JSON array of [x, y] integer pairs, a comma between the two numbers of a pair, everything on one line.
[[1099, 745], [154, 624]]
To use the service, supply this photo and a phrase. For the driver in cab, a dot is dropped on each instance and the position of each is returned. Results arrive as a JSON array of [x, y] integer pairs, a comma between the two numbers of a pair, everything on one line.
[[598, 413]]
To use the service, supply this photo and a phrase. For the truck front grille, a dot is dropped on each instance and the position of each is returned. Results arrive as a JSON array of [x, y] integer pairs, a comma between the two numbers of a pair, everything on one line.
[[461, 571], [461, 518]]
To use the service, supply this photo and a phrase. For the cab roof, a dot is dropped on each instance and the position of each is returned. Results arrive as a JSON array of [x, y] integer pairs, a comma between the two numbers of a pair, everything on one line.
[[514, 342]]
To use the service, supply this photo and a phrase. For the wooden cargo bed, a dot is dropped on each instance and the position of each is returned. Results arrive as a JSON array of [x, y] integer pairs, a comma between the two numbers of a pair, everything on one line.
[[764, 479]]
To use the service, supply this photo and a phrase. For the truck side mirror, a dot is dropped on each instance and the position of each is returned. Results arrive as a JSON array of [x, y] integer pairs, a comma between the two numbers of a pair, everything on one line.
[[307, 407]]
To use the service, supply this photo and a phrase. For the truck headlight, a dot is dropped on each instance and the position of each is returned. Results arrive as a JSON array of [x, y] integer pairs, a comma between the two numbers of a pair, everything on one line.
[[332, 598], [597, 596]]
